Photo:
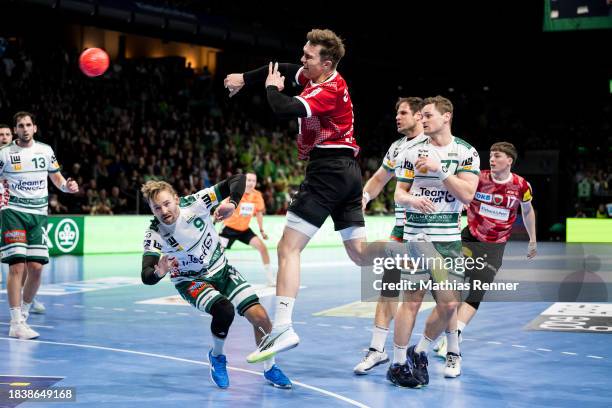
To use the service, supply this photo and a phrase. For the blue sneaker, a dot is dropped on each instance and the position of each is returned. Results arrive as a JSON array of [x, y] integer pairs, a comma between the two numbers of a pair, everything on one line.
[[218, 370], [277, 378]]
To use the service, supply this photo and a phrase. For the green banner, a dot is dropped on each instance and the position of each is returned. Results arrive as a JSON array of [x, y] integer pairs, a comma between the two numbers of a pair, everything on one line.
[[65, 235]]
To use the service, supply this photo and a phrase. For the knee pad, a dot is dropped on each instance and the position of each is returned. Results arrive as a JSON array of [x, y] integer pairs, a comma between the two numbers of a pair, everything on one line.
[[475, 305], [222, 317]]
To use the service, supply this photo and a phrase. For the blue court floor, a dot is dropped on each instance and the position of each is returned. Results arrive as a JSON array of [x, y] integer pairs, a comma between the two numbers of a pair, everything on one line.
[[120, 343]]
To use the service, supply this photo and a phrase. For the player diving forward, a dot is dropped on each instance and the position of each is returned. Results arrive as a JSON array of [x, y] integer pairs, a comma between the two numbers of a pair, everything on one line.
[[183, 242]]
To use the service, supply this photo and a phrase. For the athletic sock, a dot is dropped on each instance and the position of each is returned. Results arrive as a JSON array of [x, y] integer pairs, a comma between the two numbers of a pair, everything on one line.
[[284, 310], [25, 307], [452, 341], [399, 354], [267, 365], [269, 274], [379, 337], [423, 344], [218, 343], [16, 315], [460, 327]]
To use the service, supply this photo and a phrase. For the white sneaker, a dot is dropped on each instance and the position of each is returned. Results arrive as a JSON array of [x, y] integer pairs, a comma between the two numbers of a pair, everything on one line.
[[37, 307], [453, 365], [371, 360], [279, 339], [440, 348], [22, 331]]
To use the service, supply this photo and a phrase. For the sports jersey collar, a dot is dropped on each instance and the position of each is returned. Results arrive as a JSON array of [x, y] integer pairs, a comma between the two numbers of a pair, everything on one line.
[[331, 77], [21, 147], [502, 181]]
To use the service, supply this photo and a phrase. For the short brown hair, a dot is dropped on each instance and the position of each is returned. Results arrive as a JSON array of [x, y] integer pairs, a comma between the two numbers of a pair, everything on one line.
[[415, 103], [2, 126], [152, 188], [441, 103], [332, 46], [23, 114], [505, 147]]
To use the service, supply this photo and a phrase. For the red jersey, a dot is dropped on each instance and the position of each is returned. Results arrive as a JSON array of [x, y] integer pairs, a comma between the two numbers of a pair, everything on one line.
[[495, 205], [329, 120]]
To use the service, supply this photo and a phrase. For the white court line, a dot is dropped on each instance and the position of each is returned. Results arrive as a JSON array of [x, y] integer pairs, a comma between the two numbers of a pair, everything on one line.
[[58, 304], [118, 309], [596, 357], [569, 353], [299, 322], [518, 346], [158, 312], [139, 310], [182, 314], [323, 324], [98, 308], [78, 306], [166, 357], [543, 349], [31, 325], [347, 327], [494, 342]]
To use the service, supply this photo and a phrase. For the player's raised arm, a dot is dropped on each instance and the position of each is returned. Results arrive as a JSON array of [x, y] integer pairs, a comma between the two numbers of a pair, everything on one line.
[[236, 81]]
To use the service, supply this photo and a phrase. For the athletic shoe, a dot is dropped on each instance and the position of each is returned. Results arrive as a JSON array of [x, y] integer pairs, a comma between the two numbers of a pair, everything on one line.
[[218, 370], [400, 376], [371, 360], [277, 378], [279, 339], [22, 331], [453, 365], [418, 364], [37, 307], [440, 348]]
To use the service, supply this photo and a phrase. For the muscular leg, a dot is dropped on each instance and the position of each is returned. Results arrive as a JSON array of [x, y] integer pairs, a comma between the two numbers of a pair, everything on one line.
[[32, 283], [290, 248], [13, 284]]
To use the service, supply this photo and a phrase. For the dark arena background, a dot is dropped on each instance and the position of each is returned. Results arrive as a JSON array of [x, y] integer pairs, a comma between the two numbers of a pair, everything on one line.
[[537, 74]]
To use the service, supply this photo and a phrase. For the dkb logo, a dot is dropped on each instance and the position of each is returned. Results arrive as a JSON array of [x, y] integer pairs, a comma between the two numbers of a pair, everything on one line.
[[66, 235]]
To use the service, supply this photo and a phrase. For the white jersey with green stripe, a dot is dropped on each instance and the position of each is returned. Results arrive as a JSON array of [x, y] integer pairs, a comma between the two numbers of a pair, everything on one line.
[[192, 240], [26, 170], [443, 224], [392, 164]]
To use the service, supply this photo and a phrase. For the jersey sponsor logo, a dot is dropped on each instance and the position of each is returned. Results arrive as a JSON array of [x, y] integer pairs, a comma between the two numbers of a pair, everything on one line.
[[67, 235], [501, 214], [174, 244], [314, 93], [25, 185], [527, 196], [15, 236], [247, 209], [498, 199], [475, 154], [436, 196], [15, 159], [485, 197], [467, 162]]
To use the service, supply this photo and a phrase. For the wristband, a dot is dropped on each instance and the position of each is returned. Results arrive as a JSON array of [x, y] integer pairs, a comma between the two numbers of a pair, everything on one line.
[[234, 202], [64, 187], [367, 196], [443, 173]]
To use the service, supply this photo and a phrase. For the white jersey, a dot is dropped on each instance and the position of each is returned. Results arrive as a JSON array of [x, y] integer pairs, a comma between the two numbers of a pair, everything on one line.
[[391, 164], [26, 170], [443, 224], [192, 240]]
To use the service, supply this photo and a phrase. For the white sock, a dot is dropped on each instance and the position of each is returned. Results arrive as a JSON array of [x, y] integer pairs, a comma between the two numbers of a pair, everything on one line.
[[284, 310], [218, 343], [25, 307], [269, 274], [16, 315], [399, 354], [423, 344], [460, 326], [452, 342], [379, 337], [268, 364]]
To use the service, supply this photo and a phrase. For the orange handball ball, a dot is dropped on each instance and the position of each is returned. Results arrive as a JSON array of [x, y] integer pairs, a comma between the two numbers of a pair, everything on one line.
[[94, 62]]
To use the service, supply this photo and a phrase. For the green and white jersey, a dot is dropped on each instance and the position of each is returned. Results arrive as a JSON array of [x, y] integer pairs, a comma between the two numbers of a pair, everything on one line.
[[456, 157], [392, 164], [26, 170], [192, 240]]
